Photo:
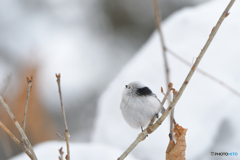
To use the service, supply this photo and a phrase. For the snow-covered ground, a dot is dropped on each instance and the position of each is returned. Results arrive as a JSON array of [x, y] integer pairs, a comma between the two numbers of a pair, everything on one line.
[[209, 111], [81, 151]]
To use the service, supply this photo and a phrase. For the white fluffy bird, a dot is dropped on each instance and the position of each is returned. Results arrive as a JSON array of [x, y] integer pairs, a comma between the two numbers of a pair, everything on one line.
[[139, 105]]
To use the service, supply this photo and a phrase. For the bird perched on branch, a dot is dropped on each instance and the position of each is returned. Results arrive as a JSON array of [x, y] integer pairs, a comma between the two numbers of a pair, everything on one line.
[[139, 105]]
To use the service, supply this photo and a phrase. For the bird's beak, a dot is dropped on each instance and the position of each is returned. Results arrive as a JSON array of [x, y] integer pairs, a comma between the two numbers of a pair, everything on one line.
[[126, 86]]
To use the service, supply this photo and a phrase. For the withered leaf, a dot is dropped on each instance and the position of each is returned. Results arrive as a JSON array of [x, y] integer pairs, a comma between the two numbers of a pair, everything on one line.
[[177, 151]]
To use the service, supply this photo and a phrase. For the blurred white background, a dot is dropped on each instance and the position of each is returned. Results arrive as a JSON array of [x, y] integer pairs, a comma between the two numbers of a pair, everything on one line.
[[88, 42]]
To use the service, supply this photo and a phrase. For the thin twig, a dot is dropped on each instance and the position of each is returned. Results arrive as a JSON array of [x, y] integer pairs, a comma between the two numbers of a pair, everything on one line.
[[29, 81], [167, 97], [172, 119], [61, 154], [5, 142], [204, 73], [3, 139], [67, 134], [58, 134], [24, 137], [170, 85], [191, 72], [153, 127], [164, 49], [20, 144], [158, 23]]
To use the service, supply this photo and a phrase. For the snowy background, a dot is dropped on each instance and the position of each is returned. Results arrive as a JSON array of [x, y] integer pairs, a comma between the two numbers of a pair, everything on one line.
[[205, 107], [97, 46]]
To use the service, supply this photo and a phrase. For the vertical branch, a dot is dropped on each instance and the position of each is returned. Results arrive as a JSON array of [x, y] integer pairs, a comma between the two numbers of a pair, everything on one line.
[[172, 119], [24, 137], [164, 49], [67, 134], [29, 81]]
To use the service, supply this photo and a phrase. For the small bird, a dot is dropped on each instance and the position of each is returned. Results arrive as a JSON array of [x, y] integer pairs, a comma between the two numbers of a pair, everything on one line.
[[139, 105]]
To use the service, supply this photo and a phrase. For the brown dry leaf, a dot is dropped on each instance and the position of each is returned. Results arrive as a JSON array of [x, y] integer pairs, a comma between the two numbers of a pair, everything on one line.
[[177, 151]]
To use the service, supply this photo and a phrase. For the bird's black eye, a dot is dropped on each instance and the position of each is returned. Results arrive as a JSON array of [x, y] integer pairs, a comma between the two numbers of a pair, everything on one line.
[[128, 87]]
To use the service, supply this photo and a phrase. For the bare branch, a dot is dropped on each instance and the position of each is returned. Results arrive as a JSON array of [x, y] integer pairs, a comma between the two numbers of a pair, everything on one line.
[[164, 49], [24, 137], [191, 72], [67, 134], [153, 127], [170, 85], [140, 137], [5, 142], [29, 81], [61, 154], [204, 73], [172, 119], [20, 144], [158, 23], [58, 134], [167, 97]]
